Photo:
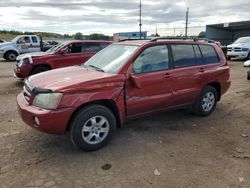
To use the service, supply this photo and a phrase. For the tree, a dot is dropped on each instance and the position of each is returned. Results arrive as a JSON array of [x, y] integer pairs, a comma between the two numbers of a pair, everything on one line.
[[78, 36], [201, 34]]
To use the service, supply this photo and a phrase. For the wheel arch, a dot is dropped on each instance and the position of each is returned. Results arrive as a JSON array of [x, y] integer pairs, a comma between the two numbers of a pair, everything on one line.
[[108, 103], [10, 50], [217, 86], [40, 65]]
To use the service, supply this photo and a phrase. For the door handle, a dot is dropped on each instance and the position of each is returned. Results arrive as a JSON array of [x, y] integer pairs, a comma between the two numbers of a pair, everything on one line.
[[202, 70], [167, 75]]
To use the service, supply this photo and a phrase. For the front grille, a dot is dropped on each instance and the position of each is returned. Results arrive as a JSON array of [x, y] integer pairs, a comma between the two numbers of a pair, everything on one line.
[[237, 49], [229, 49]]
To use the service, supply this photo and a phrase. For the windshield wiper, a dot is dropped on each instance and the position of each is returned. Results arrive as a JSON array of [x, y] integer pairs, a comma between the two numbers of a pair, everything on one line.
[[96, 68]]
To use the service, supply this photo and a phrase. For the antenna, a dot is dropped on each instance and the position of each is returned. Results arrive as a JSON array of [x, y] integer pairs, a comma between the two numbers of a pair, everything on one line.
[[140, 21]]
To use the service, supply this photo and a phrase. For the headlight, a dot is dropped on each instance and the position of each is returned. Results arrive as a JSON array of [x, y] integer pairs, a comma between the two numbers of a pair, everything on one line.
[[244, 49], [23, 62], [47, 100]]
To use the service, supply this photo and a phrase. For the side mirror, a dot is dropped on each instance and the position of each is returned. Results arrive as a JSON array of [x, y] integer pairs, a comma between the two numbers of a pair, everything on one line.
[[136, 81]]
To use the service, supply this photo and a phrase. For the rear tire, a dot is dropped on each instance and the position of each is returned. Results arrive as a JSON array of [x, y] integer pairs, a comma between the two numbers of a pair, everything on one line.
[[39, 69], [206, 102], [92, 127], [11, 56]]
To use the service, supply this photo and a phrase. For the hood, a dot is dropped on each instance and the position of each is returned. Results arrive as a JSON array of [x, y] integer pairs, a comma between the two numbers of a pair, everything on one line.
[[34, 54], [75, 78], [239, 45], [4, 44]]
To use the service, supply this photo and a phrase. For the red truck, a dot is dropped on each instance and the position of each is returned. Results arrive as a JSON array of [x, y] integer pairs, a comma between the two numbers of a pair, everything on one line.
[[126, 80], [66, 54]]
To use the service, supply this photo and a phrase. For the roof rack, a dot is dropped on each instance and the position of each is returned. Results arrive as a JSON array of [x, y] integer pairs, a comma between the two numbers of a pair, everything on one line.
[[130, 40], [174, 38]]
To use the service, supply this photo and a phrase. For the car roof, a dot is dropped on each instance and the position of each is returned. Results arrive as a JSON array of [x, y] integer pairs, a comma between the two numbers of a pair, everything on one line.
[[96, 41], [161, 41]]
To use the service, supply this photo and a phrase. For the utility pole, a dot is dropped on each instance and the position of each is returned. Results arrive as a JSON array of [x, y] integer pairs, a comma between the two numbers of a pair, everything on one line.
[[186, 28], [174, 31], [140, 22]]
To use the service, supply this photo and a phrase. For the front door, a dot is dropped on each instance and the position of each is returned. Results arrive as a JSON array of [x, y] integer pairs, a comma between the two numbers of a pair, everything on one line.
[[151, 69]]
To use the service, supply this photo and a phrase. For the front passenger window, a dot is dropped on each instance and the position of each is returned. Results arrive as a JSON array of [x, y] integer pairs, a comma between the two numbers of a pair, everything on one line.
[[152, 59]]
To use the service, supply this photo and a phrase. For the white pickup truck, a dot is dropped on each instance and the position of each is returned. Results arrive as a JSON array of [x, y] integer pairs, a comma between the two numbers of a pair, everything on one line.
[[20, 45], [239, 49]]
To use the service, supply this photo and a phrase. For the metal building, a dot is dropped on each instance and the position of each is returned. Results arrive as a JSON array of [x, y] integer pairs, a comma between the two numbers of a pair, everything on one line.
[[226, 33]]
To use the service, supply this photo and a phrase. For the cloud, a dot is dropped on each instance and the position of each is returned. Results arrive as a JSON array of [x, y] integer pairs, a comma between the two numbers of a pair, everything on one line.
[[113, 16]]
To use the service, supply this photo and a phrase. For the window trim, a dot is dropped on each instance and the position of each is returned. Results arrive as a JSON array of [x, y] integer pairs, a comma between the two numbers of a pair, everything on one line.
[[169, 60]]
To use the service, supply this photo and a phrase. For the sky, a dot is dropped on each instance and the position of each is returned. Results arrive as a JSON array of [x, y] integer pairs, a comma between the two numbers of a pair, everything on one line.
[[112, 16]]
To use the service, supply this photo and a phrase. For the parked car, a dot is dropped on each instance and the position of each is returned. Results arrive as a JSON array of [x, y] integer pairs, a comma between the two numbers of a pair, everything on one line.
[[125, 80], [20, 45], [239, 49], [66, 54], [247, 64]]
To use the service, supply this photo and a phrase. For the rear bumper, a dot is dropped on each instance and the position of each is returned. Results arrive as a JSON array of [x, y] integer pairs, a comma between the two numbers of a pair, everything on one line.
[[51, 121], [225, 87]]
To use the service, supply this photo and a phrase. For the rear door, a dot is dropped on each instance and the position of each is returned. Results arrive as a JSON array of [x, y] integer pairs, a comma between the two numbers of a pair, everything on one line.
[[34, 44], [152, 70], [212, 70], [186, 73], [89, 49]]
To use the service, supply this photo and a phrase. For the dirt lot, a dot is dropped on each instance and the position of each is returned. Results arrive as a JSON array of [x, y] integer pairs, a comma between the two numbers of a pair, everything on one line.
[[187, 151]]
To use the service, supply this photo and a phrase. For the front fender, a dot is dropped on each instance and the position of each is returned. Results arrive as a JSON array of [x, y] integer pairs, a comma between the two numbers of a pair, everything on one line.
[[10, 48], [78, 99]]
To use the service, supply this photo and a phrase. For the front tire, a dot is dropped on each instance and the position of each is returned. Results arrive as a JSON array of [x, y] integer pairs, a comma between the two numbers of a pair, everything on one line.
[[206, 102], [92, 127], [11, 56]]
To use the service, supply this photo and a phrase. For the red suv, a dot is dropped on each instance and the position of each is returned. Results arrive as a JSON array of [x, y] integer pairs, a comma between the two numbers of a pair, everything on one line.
[[66, 54], [123, 81]]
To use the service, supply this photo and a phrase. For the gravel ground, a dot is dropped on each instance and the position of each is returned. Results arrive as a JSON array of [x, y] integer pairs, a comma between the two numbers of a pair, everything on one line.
[[171, 149]]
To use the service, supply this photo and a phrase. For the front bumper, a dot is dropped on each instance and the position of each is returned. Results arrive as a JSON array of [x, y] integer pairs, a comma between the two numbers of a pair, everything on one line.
[[23, 72], [240, 55], [51, 121]]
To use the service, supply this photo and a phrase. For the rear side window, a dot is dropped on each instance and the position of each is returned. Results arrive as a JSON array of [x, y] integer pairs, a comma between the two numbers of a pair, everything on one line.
[[152, 59], [103, 45], [34, 39], [90, 47], [209, 54], [183, 55]]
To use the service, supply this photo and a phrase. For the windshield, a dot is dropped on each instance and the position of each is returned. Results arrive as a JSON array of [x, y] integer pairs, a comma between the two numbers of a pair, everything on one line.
[[244, 40], [15, 39], [111, 58], [55, 48]]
